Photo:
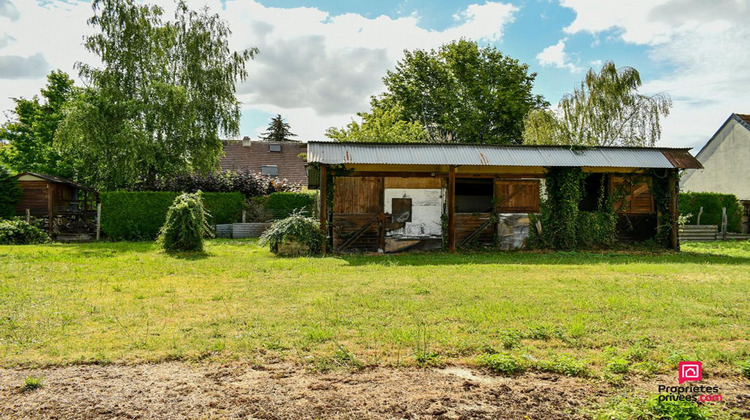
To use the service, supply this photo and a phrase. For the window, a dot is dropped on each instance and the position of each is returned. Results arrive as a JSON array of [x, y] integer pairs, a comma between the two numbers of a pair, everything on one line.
[[270, 170], [274, 147], [473, 195], [400, 210]]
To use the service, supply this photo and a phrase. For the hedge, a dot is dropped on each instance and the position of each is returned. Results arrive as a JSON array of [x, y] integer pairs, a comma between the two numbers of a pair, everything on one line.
[[133, 215], [283, 204], [712, 204]]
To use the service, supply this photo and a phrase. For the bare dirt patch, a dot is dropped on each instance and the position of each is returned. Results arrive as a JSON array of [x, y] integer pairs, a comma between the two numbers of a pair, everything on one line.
[[180, 390]]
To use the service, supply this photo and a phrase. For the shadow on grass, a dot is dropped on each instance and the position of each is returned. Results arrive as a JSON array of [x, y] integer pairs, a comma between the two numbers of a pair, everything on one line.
[[188, 256], [544, 258], [112, 249]]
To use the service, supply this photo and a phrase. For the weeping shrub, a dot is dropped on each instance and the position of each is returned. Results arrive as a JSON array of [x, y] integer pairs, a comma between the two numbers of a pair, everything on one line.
[[295, 228], [18, 232], [186, 224]]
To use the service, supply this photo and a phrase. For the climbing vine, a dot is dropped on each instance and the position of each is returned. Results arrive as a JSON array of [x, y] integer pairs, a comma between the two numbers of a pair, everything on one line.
[[660, 189], [561, 225]]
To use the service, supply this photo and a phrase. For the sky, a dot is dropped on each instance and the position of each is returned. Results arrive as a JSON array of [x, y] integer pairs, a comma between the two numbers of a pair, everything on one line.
[[320, 61]]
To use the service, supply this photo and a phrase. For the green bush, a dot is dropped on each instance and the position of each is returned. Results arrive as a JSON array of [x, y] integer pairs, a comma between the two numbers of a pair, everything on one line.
[[257, 211], [596, 229], [18, 232], [10, 193], [296, 227], [224, 207], [712, 204], [186, 224], [139, 215], [284, 204], [501, 363]]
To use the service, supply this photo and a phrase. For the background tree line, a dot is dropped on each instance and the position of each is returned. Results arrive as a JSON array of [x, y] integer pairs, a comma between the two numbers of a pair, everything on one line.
[[166, 91]]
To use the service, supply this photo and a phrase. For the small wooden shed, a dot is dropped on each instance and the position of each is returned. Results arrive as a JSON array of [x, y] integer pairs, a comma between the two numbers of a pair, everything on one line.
[[49, 196]]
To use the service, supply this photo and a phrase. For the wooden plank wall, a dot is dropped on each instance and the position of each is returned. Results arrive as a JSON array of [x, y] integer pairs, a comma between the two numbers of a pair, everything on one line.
[[345, 225], [358, 195], [356, 202], [468, 223], [413, 183], [34, 198], [517, 196], [638, 198]]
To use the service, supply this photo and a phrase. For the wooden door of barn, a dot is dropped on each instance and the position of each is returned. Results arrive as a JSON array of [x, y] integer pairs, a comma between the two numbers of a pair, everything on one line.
[[358, 216]]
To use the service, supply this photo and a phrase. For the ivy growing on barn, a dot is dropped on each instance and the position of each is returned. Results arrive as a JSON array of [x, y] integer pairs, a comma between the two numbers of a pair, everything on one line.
[[662, 181], [561, 225]]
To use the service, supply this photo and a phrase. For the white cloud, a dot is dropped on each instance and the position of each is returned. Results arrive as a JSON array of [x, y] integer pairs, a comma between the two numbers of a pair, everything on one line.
[[555, 56], [707, 44], [8, 10], [17, 67], [314, 68]]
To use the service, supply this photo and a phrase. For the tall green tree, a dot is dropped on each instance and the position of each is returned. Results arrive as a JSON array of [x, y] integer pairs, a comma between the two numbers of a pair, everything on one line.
[[10, 193], [158, 104], [461, 93], [30, 132], [380, 125], [605, 110], [278, 130]]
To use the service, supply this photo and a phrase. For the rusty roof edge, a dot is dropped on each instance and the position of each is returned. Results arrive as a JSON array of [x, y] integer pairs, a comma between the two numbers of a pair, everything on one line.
[[682, 160]]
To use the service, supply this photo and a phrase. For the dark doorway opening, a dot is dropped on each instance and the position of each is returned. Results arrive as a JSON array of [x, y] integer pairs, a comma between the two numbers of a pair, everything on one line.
[[595, 192], [474, 195]]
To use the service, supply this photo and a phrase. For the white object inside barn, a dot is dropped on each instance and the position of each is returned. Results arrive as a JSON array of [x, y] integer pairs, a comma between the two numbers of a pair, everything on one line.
[[427, 205]]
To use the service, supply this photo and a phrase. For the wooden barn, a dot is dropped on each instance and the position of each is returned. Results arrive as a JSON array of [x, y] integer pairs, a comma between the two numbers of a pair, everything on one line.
[[50, 197], [390, 197]]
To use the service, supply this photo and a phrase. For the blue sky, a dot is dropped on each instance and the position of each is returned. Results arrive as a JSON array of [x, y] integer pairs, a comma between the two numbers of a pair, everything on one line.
[[321, 60]]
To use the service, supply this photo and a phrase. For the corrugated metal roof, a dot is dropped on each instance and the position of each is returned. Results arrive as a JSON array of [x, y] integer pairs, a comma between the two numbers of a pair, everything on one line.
[[336, 153]]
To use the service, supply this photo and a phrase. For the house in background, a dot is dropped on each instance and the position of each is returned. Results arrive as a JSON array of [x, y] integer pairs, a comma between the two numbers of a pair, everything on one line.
[[277, 159], [726, 164]]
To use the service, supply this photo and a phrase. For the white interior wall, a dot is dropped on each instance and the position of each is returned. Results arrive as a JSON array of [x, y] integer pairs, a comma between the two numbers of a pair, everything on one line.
[[426, 208]]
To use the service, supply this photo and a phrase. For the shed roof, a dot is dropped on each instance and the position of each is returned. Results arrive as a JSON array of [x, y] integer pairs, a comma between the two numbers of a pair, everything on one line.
[[462, 154], [56, 180]]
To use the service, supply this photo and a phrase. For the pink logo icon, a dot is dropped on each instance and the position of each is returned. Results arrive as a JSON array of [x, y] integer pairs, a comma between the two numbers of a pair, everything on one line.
[[690, 371]]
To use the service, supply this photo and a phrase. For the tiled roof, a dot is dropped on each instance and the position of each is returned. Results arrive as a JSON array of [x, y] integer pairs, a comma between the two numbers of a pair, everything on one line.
[[245, 155], [744, 117]]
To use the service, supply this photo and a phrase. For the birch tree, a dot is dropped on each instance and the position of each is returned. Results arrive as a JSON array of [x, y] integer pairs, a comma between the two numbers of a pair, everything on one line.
[[606, 109]]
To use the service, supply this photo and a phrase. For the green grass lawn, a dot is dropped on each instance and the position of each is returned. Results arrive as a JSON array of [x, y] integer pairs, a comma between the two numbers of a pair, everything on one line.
[[606, 313]]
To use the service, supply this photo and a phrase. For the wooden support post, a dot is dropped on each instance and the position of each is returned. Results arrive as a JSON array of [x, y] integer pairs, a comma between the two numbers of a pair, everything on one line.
[[28, 216], [452, 209], [51, 206], [381, 231], [674, 212], [323, 206], [98, 220]]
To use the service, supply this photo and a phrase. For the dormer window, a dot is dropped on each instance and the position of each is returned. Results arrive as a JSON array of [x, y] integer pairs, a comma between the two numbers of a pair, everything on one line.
[[274, 147]]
